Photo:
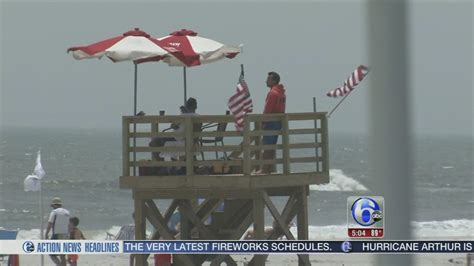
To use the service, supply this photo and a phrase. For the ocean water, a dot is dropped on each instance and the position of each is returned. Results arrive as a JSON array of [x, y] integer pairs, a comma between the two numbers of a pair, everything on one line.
[[83, 165]]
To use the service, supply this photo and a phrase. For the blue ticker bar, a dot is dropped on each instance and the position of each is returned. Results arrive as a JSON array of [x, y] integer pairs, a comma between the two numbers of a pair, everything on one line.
[[267, 247]]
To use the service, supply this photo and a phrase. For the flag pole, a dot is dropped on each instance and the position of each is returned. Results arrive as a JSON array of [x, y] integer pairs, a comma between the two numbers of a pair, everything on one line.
[[39, 172], [337, 105], [41, 217]]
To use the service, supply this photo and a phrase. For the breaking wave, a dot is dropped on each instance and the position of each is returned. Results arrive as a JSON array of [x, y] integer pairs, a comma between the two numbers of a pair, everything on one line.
[[448, 229], [339, 182]]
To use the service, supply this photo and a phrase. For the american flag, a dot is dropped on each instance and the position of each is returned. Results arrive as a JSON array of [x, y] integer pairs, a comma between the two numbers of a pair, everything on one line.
[[357, 76], [240, 104]]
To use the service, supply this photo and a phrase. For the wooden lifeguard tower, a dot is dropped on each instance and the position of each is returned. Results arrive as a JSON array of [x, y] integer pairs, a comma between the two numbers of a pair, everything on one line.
[[229, 181]]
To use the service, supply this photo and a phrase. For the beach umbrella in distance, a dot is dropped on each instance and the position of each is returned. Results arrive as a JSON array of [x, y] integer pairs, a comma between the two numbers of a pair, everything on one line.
[[189, 50], [132, 46]]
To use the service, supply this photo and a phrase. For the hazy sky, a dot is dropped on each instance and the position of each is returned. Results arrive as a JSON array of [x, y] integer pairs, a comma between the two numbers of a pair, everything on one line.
[[313, 45]]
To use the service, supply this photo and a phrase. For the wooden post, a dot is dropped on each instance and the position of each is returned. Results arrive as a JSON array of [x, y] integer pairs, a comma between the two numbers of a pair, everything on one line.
[[286, 149], [246, 147], [302, 222], [324, 143], [185, 226], [189, 151], [258, 224], [280, 221], [140, 228], [125, 147], [189, 145], [155, 127], [258, 142], [288, 214], [185, 232], [316, 136]]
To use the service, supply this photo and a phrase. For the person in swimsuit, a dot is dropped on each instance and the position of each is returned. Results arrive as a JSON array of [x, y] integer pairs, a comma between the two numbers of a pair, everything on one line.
[[75, 234]]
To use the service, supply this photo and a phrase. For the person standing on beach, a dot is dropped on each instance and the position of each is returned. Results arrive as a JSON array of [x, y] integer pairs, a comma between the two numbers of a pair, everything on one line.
[[76, 234], [274, 104], [58, 222]]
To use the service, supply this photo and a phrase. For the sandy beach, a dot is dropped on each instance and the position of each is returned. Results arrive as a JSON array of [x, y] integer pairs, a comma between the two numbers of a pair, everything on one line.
[[279, 260]]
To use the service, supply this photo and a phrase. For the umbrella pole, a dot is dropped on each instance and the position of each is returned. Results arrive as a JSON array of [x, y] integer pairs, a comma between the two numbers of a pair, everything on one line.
[[185, 89], [135, 90], [135, 124]]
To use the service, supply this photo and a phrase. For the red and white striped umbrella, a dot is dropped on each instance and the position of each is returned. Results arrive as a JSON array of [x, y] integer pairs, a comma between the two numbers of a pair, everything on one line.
[[186, 49], [133, 46], [130, 46], [189, 50]]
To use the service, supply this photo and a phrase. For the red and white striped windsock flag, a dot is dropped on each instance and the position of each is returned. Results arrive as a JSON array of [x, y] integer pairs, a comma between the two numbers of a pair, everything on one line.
[[240, 104], [357, 76]]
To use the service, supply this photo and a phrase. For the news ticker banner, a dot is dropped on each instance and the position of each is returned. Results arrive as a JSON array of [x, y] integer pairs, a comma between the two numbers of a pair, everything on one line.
[[230, 247]]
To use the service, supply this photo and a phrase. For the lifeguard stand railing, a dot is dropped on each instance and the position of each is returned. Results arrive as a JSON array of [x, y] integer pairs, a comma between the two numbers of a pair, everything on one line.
[[247, 143], [302, 160]]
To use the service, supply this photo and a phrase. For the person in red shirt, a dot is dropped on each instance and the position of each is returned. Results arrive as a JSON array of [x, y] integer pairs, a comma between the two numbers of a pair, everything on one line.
[[275, 103], [276, 98]]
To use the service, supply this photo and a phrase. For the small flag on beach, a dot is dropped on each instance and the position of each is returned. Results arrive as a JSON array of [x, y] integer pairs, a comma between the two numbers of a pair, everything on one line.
[[240, 104], [357, 76], [32, 183], [39, 171]]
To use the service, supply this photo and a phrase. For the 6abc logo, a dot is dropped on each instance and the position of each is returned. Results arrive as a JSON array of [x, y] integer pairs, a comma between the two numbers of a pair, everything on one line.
[[365, 217], [366, 211], [28, 247]]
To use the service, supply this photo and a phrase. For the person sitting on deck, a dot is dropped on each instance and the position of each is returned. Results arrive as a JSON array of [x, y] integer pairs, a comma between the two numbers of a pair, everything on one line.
[[188, 109]]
